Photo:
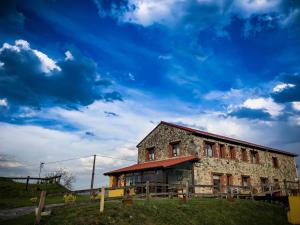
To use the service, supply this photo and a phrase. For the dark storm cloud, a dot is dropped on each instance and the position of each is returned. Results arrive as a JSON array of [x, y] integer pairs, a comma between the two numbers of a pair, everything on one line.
[[70, 83], [10, 17], [288, 94], [250, 114]]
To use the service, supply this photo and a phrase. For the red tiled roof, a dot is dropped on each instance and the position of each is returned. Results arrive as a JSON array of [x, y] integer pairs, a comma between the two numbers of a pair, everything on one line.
[[155, 164], [220, 137]]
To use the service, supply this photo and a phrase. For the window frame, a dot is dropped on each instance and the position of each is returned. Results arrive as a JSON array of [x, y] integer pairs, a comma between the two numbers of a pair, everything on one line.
[[152, 154], [275, 162], [177, 143], [253, 155], [211, 149], [247, 181]]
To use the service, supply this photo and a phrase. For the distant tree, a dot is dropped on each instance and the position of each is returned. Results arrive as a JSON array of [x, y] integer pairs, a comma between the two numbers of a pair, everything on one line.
[[67, 178]]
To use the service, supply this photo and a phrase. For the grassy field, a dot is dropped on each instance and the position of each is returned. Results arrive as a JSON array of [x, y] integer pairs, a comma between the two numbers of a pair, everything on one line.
[[13, 194], [167, 212]]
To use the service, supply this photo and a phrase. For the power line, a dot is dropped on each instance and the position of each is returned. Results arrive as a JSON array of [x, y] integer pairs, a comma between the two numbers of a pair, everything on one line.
[[70, 159], [105, 156]]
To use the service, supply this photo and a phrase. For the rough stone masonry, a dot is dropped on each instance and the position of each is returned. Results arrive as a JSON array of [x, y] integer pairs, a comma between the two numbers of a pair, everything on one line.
[[230, 159]]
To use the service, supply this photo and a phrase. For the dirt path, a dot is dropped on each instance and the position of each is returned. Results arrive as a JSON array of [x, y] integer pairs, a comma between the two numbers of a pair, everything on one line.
[[6, 214]]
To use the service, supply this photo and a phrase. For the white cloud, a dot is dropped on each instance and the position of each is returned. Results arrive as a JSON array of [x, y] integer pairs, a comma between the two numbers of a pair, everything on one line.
[[280, 87], [47, 64], [248, 8], [296, 105], [148, 12], [131, 76], [68, 55], [3, 102], [266, 104], [22, 44]]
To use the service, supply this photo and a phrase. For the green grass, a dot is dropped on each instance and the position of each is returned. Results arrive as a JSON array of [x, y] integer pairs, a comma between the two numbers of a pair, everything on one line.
[[13, 194], [169, 212]]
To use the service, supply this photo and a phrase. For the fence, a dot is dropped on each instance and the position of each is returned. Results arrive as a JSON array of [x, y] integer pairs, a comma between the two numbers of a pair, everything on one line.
[[29, 179], [183, 191]]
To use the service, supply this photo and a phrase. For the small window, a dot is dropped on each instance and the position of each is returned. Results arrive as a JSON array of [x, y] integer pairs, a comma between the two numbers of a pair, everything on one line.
[[245, 181], [209, 149], [175, 147], [216, 183], [264, 182], [275, 162], [151, 154], [231, 152], [254, 156], [244, 155]]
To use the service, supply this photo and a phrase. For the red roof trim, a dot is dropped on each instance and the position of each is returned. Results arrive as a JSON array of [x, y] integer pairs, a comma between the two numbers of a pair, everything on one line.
[[207, 134], [154, 164]]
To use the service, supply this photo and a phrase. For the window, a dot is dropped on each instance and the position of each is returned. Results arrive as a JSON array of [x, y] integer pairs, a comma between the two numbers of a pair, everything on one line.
[[231, 152], [151, 154], [222, 151], [264, 183], [209, 149], [275, 162], [245, 181], [244, 155], [175, 147], [254, 156], [216, 183]]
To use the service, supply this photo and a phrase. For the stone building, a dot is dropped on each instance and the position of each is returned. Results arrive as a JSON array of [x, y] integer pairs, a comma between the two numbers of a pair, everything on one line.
[[174, 154]]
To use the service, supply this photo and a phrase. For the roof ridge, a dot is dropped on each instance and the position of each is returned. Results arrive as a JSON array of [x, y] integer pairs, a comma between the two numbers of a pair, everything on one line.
[[227, 138]]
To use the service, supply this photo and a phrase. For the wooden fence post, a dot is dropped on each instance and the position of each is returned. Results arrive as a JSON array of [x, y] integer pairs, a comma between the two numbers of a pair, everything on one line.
[[102, 199], [147, 191], [251, 192], [27, 181], [285, 187], [40, 208], [186, 190]]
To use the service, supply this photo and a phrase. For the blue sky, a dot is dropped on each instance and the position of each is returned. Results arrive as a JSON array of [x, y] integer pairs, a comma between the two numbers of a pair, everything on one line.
[[85, 77]]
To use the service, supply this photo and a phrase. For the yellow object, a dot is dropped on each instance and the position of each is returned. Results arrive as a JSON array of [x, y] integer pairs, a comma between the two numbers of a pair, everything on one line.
[[96, 196], [34, 200], [69, 198], [118, 192], [294, 213]]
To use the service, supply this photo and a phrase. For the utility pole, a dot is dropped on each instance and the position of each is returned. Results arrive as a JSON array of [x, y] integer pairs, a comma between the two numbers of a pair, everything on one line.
[[41, 166], [93, 173]]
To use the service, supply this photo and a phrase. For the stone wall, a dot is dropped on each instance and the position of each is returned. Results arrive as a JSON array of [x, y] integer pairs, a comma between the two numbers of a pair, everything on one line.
[[163, 135]]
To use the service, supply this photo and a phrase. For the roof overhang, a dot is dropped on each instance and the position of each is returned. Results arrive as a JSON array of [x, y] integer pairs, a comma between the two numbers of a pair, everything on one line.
[[162, 164]]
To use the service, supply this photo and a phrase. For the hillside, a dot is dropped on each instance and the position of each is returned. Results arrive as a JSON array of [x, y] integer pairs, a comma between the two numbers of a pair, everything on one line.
[[13, 194], [168, 212]]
